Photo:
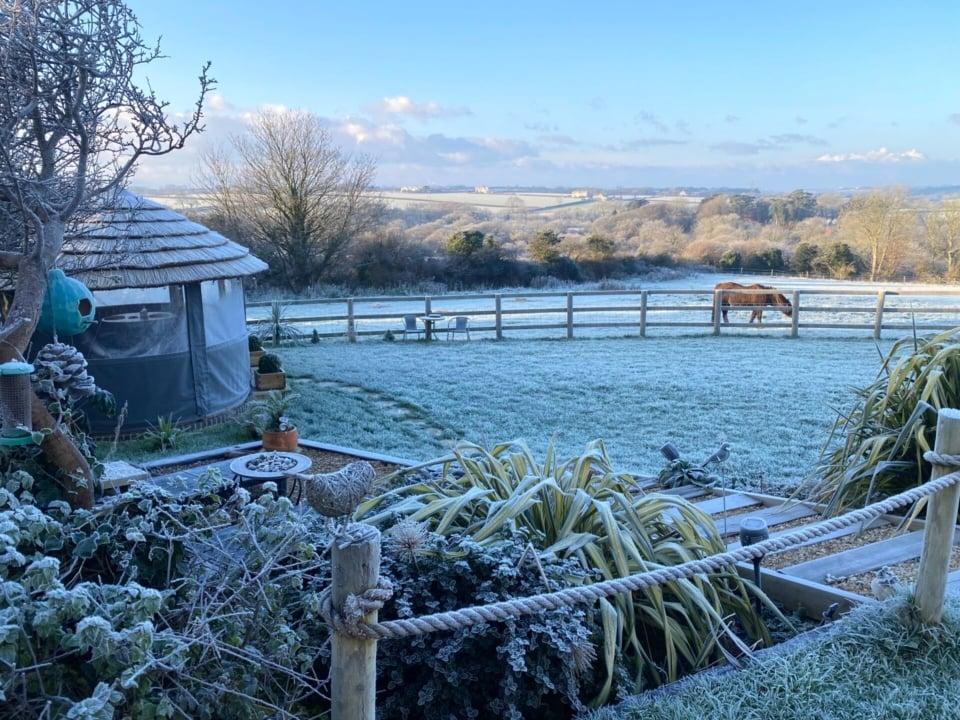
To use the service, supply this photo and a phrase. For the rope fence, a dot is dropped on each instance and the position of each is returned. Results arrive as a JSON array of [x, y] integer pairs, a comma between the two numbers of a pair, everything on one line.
[[353, 619]]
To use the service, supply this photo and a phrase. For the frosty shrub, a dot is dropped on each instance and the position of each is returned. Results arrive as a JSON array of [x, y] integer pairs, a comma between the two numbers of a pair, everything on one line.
[[539, 666], [150, 606], [876, 448], [583, 510], [147, 606]]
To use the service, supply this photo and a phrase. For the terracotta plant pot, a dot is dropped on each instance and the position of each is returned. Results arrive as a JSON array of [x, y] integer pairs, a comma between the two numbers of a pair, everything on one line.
[[284, 441], [255, 356], [270, 381]]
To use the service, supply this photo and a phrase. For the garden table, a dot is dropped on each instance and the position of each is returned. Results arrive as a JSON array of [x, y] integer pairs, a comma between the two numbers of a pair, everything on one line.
[[428, 322]]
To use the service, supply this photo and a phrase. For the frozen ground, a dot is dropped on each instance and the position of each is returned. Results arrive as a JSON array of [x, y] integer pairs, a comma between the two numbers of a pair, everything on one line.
[[771, 398]]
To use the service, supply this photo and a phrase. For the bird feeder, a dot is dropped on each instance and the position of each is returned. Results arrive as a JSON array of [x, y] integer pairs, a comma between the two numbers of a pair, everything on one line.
[[68, 306], [16, 395]]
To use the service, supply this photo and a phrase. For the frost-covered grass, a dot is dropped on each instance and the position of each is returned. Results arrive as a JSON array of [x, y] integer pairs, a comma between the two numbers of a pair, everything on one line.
[[876, 664], [773, 399]]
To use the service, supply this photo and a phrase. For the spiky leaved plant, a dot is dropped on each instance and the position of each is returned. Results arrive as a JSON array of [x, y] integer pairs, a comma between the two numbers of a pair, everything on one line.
[[877, 447], [583, 509], [278, 326]]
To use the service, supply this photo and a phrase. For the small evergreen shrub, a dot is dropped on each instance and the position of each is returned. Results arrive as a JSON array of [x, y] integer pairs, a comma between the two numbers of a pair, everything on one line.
[[388, 336], [315, 337], [269, 363], [537, 666], [254, 344]]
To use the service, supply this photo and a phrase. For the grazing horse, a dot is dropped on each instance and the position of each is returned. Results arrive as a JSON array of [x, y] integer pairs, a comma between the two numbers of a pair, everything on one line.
[[756, 300]]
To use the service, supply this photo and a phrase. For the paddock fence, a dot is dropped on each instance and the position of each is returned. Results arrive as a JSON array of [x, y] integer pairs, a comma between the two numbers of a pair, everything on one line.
[[640, 312]]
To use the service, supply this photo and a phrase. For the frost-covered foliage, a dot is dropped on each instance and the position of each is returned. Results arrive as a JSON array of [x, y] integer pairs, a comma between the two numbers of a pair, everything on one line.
[[145, 607], [541, 666], [150, 606], [878, 662]]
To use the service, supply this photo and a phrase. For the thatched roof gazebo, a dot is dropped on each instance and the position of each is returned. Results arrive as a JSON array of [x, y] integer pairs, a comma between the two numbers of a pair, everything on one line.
[[170, 336]]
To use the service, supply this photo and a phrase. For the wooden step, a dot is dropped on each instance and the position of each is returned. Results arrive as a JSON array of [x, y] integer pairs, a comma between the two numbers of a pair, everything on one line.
[[725, 503], [862, 559], [773, 515], [685, 491]]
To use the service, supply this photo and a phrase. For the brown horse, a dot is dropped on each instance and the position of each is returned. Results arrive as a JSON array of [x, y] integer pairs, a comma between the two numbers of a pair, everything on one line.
[[755, 300]]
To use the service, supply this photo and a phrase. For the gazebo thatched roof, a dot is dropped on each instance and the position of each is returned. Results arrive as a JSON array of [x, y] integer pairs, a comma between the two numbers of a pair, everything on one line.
[[139, 243]]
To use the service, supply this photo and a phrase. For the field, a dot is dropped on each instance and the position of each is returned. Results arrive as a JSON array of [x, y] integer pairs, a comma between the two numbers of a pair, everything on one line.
[[773, 399]]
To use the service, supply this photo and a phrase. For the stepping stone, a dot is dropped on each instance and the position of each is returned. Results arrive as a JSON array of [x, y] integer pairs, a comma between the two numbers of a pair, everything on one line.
[[119, 474]]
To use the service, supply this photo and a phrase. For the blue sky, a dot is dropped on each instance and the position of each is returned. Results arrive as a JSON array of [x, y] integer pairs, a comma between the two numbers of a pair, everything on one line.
[[753, 94]]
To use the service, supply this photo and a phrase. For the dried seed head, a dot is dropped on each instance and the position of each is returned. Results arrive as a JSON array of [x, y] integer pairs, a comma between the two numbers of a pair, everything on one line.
[[584, 655], [408, 538]]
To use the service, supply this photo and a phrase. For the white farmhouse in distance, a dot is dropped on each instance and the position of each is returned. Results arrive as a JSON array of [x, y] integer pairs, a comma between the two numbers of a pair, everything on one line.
[[581, 194], [412, 188], [482, 190]]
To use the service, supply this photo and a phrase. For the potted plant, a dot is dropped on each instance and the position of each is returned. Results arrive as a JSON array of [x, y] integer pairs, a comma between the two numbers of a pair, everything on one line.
[[277, 432], [269, 374], [256, 350]]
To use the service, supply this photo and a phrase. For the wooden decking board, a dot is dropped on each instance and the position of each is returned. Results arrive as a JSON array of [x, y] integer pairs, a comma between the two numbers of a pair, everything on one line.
[[684, 491], [842, 532], [773, 515], [862, 559], [725, 503]]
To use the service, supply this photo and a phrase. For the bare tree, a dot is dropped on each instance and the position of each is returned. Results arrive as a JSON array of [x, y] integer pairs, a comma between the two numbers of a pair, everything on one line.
[[943, 235], [882, 227], [73, 125], [295, 196]]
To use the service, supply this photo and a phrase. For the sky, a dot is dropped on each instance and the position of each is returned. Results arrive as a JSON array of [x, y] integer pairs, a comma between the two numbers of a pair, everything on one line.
[[766, 95]]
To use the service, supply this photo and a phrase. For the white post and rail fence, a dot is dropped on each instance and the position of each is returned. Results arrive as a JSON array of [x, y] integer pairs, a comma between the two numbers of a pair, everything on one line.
[[357, 592], [639, 312]]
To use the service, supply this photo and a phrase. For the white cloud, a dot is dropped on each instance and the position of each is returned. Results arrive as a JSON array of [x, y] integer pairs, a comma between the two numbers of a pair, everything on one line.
[[404, 106], [880, 155]]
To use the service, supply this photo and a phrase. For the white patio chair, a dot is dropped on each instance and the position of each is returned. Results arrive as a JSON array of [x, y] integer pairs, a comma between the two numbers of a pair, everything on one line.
[[410, 326], [459, 324]]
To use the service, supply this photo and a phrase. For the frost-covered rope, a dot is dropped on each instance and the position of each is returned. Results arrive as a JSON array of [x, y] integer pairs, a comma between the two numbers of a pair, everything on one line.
[[518, 607]]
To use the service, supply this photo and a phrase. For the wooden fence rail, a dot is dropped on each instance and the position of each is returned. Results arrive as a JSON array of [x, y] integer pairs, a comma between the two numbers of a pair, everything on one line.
[[640, 310]]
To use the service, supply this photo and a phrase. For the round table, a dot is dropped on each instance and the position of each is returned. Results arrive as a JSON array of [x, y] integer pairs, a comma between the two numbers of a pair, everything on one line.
[[245, 477], [428, 323]]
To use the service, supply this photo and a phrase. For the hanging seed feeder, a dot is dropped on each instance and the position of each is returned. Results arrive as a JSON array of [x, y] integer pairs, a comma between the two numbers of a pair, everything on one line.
[[68, 306], [16, 397]]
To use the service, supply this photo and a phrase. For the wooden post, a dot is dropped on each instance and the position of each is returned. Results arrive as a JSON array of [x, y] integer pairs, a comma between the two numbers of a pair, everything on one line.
[[878, 320], [569, 315], [355, 568], [351, 323], [795, 315], [498, 322], [941, 521], [717, 308], [427, 304], [643, 313]]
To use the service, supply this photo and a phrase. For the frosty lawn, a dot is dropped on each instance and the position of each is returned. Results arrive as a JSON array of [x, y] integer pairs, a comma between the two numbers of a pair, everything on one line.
[[772, 398], [876, 662]]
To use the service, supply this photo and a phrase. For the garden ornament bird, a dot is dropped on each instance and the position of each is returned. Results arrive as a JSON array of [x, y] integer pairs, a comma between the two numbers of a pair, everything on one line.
[[337, 494], [720, 456], [884, 584]]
